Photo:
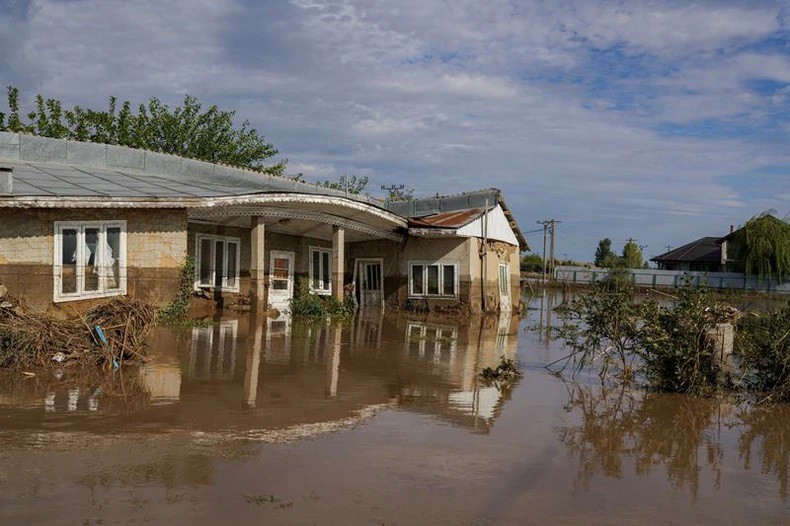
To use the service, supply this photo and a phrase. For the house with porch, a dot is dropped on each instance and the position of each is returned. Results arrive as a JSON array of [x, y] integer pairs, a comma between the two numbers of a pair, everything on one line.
[[80, 222]]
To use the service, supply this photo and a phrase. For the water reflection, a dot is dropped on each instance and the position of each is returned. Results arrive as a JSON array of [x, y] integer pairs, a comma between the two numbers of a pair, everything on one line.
[[245, 374], [617, 431]]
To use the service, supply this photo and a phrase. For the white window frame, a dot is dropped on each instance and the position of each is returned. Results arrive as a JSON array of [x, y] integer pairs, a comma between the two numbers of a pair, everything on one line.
[[321, 250], [57, 270], [425, 265], [225, 240]]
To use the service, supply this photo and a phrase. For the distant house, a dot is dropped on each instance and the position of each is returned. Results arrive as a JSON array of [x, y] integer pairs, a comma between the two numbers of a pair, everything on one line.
[[707, 254], [82, 221], [703, 254]]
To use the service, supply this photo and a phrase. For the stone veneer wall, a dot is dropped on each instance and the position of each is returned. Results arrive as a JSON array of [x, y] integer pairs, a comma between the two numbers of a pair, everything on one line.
[[156, 246]]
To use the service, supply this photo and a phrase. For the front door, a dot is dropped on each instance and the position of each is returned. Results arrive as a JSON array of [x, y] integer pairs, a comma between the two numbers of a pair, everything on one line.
[[370, 283], [281, 279], [505, 305]]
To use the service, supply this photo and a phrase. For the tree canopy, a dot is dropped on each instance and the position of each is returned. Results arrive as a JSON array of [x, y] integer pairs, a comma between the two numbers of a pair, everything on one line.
[[187, 130], [603, 254], [762, 247], [632, 255]]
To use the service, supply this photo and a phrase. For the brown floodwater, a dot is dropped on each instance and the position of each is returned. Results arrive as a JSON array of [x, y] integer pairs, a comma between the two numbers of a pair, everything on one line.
[[377, 421]]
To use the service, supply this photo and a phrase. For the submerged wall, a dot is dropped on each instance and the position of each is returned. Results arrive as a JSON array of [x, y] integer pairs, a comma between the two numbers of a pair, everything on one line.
[[156, 250]]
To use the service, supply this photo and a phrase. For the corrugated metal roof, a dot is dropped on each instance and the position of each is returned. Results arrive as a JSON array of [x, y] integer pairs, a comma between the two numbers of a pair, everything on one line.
[[455, 219]]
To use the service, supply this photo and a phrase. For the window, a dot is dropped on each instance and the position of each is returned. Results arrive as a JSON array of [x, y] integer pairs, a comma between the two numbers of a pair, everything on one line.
[[217, 262], [433, 279], [320, 270], [90, 259]]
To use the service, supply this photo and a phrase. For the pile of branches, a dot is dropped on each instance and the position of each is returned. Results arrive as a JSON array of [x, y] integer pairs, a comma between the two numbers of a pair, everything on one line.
[[38, 340]]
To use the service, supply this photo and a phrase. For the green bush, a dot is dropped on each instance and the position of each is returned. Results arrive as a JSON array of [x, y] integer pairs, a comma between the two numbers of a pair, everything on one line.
[[315, 306], [667, 346], [676, 352], [763, 345]]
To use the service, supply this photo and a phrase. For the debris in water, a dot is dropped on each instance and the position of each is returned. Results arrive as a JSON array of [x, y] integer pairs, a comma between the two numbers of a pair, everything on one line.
[[506, 371]]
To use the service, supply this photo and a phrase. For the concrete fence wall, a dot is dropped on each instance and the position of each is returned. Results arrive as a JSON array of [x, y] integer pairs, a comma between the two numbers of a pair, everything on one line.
[[674, 278]]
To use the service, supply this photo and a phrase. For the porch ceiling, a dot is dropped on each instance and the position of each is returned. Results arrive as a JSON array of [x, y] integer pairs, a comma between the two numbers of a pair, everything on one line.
[[311, 219]]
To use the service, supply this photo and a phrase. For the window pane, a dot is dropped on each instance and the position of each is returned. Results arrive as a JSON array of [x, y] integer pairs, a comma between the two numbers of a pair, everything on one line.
[[433, 279], [219, 263], [327, 270], [233, 272], [68, 261], [448, 280], [416, 280], [503, 279], [282, 267], [316, 262], [90, 259], [112, 258], [205, 262]]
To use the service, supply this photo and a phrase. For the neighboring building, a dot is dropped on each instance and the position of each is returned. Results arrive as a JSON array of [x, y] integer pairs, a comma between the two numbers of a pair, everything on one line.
[[708, 254], [704, 255], [84, 221]]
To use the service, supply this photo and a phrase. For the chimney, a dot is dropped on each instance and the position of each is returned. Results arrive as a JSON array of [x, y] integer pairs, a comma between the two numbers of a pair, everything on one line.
[[6, 181], [732, 229]]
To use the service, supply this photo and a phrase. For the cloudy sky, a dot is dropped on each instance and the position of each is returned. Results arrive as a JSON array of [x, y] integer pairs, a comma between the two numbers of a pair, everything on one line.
[[662, 121]]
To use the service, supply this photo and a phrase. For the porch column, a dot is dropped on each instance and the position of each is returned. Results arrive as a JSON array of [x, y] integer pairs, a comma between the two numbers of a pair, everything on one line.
[[257, 264], [333, 363], [338, 261], [253, 361]]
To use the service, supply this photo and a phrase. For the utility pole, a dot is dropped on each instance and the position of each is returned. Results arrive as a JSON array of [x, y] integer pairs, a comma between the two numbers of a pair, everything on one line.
[[545, 225], [548, 224]]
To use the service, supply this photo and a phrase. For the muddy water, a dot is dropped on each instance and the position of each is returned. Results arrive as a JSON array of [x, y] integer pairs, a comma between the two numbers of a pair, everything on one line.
[[379, 421]]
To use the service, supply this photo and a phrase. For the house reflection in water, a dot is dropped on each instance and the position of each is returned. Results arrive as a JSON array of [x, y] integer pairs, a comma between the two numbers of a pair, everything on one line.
[[234, 375]]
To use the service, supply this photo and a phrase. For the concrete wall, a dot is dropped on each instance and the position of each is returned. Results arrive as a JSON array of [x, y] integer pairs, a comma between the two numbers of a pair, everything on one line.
[[464, 251], [156, 249]]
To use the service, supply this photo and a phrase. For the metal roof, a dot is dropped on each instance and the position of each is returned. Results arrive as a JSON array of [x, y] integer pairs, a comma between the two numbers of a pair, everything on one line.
[[704, 249], [46, 167], [454, 219], [421, 208]]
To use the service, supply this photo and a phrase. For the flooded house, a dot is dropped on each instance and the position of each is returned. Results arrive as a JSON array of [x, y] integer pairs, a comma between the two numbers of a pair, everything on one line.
[[80, 222]]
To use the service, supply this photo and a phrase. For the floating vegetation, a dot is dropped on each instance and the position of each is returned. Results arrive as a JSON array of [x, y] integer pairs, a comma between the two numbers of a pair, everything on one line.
[[504, 373]]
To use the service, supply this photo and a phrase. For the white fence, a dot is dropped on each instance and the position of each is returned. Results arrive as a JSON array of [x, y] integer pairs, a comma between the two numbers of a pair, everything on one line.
[[674, 278]]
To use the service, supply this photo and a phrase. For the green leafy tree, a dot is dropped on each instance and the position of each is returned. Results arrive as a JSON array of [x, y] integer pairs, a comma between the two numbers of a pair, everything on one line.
[[632, 255], [187, 130], [604, 252], [762, 247], [348, 183], [532, 263]]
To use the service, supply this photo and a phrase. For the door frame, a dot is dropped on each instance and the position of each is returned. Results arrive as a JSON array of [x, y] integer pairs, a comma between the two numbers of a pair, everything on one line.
[[357, 261], [282, 254], [505, 306]]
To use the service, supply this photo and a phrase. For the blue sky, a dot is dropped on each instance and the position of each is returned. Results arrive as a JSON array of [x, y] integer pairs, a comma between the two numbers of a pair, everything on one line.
[[661, 121]]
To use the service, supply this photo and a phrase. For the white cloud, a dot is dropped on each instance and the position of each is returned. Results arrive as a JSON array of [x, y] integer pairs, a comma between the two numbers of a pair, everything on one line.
[[446, 97]]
